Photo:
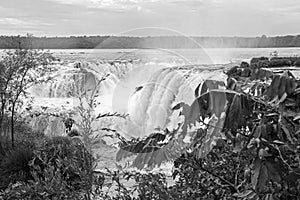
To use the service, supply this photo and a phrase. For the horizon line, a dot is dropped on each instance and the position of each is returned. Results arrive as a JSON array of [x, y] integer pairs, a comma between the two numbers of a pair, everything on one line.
[[136, 36]]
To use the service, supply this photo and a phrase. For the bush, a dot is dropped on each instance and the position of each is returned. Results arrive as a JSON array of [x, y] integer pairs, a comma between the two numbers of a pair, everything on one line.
[[14, 160], [24, 136], [61, 168], [15, 167], [70, 157]]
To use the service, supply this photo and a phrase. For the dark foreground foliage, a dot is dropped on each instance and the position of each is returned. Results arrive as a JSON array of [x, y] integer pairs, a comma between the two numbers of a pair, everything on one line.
[[58, 168], [250, 148]]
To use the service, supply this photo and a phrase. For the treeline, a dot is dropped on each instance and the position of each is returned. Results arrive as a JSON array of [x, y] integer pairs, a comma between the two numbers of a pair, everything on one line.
[[114, 42]]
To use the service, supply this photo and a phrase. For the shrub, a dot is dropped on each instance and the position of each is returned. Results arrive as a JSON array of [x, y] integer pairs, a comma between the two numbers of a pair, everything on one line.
[[70, 157], [15, 167], [61, 168]]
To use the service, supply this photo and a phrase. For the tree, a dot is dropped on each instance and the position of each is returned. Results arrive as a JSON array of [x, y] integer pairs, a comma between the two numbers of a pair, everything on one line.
[[20, 69], [246, 145]]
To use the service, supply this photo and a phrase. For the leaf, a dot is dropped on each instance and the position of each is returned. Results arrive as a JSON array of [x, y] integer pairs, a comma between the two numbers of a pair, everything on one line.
[[197, 90], [147, 145], [245, 193], [213, 134], [278, 142], [178, 106], [286, 131], [282, 98], [263, 154], [248, 194], [122, 154], [274, 171], [260, 176], [207, 86], [217, 102], [156, 158], [296, 117], [273, 88], [234, 114], [269, 197], [238, 143]]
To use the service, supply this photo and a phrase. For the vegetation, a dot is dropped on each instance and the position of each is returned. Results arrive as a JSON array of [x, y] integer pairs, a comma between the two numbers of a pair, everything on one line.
[[20, 69], [247, 147], [119, 42]]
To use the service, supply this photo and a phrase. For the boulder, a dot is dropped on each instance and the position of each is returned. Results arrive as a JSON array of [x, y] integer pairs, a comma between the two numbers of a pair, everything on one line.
[[244, 65], [246, 72], [232, 71], [297, 63], [280, 62], [259, 62], [51, 126]]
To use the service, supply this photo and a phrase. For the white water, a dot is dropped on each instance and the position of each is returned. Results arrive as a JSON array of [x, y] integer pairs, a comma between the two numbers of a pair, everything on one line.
[[145, 84], [145, 91]]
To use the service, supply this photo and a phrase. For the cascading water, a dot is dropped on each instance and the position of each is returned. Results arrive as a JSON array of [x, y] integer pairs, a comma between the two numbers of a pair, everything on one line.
[[81, 76], [150, 106], [60, 94], [147, 92]]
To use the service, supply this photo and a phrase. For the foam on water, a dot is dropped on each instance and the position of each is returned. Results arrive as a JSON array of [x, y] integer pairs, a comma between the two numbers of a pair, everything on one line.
[[145, 91]]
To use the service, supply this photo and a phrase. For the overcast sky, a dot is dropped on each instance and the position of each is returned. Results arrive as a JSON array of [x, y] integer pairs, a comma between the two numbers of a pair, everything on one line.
[[150, 17]]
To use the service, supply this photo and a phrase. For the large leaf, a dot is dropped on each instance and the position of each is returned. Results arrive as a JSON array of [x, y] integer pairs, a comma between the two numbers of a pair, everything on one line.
[[260, 176], [274, 171], [280, 85], [166, 153], [147, 145], [238, 111], [213, 134], [212, 105], [208, 85], [226, 110]]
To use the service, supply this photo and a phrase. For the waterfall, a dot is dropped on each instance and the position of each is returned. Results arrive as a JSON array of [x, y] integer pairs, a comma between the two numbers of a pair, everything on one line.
[[71, 79], [82, 76], [146, 92], [150, 106]]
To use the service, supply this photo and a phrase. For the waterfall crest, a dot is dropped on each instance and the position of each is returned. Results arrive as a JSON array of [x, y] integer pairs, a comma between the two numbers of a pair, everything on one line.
[[150, 107]]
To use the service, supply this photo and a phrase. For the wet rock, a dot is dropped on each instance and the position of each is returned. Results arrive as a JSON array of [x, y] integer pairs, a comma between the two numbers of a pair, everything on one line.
[[259, 62], [56, 127], [297, 63], [234, 71], [73, 133], [280, 62], [246, 72], [244, 65], [51, 126]]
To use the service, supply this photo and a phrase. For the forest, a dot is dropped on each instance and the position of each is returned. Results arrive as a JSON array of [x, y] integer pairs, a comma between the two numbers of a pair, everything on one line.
[[119, 42]]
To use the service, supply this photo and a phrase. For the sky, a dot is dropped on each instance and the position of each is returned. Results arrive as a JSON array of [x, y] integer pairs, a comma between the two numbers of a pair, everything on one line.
[[150, 17]]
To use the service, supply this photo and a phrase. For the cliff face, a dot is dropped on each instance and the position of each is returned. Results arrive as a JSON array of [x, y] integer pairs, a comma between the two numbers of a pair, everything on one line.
[[169, 42]]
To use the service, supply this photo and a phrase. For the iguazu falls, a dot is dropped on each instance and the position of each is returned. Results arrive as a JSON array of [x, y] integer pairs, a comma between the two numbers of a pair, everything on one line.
[[149, 100]]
